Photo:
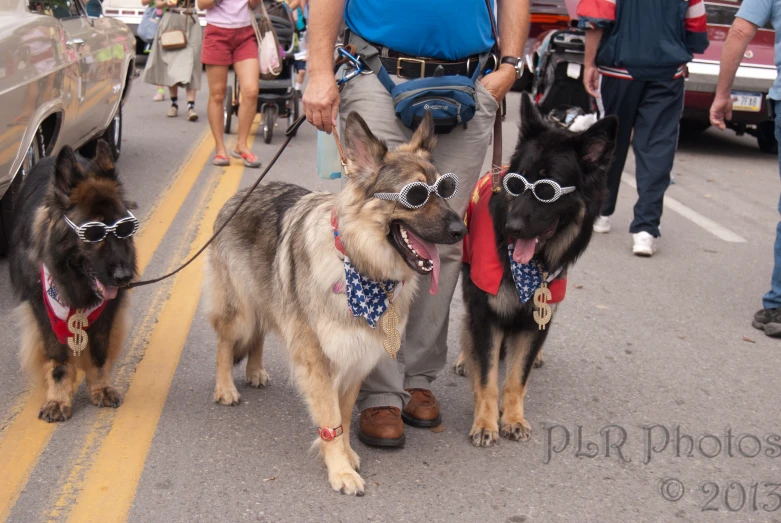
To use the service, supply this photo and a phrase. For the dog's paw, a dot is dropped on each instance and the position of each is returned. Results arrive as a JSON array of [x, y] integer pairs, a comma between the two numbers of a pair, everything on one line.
[[227, 395], [459, 367], [354, 459], [516, 431], [257, 378], [539, 361], [54, 411], [483, 437], [106, 397], [347, 482]]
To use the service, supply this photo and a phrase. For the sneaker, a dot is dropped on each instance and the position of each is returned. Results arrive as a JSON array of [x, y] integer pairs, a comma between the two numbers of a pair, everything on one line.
[[768, 320], [644, 244], [602, 225], [159, 96], [192, 115], [173, 111]]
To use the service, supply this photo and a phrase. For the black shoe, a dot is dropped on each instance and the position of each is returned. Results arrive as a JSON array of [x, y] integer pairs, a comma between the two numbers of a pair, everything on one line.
[[768, 320]]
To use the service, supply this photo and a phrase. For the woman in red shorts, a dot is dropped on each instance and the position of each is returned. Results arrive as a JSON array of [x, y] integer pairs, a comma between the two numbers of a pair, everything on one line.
[[229, 39]]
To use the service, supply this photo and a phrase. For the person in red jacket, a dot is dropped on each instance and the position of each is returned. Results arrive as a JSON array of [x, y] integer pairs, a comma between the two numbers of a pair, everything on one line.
[[636, 54]]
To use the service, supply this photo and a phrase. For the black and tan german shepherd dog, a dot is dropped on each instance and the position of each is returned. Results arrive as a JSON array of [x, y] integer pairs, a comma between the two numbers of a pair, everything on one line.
[[58, 272], [555, 234]]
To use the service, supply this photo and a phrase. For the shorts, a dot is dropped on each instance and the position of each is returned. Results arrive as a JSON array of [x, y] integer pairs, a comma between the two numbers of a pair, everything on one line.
[[223, 46], [300, 65]]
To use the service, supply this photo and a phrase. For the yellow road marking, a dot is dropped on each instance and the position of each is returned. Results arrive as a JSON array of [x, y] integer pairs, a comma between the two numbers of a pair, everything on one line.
[[111, 483], [25, 438]]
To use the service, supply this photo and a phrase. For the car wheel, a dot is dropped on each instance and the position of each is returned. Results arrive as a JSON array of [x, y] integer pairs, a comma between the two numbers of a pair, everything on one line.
[[113, 135], [227, 112], [8, 202], [766, 137]]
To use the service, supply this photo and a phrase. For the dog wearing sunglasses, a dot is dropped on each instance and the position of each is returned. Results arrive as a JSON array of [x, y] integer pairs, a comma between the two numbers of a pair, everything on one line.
[[72, 254], [333, 275], [536, 226]]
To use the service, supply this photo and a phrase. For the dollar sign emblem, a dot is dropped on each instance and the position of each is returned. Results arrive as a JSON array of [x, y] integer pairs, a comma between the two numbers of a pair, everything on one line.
[[541, 296], [76, 325]]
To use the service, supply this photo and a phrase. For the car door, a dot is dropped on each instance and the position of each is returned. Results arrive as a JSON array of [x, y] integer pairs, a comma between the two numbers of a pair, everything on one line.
[[88, 45]]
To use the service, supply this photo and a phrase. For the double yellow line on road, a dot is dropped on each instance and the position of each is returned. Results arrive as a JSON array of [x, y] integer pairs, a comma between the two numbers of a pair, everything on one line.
[[133, 427]]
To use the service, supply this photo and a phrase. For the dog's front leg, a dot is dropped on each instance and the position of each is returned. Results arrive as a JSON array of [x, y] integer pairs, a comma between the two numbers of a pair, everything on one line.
[[481, 343], [311, 370], [346, 406], [522, 350], [105, 344]]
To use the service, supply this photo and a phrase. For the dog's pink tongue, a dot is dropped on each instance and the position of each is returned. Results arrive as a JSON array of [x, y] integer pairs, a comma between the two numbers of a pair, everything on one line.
[[428, 251], [109, 293], [523, 252]]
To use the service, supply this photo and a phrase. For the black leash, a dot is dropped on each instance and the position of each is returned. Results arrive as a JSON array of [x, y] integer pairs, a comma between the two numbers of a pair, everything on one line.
[[289, 133]]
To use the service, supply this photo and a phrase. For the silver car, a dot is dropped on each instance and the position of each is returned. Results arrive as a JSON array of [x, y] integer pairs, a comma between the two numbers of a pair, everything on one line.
[[63, 79]]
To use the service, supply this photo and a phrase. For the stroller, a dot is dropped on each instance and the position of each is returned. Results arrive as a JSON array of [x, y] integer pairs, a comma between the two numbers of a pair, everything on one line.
[[278, 97]]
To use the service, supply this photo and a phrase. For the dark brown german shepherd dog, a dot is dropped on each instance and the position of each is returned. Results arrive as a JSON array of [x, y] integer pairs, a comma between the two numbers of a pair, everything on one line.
[[547, 225], [72, 254]]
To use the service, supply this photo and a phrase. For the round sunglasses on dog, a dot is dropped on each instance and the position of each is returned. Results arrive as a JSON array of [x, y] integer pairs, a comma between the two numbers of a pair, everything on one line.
[[415, 194], [545, 190], [93, 232]]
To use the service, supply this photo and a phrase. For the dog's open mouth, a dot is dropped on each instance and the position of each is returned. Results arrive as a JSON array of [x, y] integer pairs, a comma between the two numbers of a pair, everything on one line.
[[525, 248], [419, 254], [104, 292]]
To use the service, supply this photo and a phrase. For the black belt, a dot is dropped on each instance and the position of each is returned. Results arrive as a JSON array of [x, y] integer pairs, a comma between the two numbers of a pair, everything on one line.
[[411, 67]]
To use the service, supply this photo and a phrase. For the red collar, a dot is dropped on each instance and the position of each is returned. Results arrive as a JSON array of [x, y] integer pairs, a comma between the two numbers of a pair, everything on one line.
[[58, 312], [335, 226]]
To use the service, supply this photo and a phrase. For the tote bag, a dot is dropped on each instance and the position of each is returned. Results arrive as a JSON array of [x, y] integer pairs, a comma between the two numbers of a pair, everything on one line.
[[268, 45]]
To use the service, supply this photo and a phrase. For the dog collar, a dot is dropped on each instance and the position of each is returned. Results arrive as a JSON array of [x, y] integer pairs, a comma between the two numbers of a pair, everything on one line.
[[327, 433], [335, 226]]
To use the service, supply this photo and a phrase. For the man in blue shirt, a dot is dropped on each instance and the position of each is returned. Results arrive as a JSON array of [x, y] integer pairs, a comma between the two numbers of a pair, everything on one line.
[[752, 15], [415, 39]]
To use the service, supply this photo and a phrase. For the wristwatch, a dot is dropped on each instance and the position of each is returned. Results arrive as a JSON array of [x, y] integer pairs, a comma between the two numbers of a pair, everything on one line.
[[515, 62]]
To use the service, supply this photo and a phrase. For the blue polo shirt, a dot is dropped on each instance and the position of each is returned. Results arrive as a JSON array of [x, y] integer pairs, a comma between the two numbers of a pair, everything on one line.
[[759, 12], [444, 29]]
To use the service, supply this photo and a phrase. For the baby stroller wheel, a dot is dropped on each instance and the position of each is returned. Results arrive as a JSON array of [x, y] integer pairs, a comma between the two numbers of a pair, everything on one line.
[[227, 113], [269, 115], [293, 111]]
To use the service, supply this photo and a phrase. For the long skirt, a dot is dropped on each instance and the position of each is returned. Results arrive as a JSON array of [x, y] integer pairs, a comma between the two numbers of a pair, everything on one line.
[[179, 67]]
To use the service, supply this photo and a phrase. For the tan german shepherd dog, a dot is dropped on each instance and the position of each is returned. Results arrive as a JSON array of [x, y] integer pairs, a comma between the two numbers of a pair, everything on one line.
[[276, 267]]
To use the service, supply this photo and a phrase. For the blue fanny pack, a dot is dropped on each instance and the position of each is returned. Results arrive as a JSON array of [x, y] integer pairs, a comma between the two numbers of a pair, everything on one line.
[[452, 100]]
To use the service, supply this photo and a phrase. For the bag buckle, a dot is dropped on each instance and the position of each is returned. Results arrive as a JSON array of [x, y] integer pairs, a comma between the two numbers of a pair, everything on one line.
[[402, 59]]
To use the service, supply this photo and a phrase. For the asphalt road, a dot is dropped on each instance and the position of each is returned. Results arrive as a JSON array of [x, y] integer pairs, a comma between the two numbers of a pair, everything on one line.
[[639, 347]]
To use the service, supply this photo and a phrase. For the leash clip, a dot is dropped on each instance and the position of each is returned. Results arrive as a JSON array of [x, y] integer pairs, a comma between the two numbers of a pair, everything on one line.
[[357, 63], [327, 433]]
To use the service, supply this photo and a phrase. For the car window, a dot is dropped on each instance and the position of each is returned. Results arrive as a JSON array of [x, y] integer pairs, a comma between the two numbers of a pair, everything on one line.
[[60, 9], [717, 14]]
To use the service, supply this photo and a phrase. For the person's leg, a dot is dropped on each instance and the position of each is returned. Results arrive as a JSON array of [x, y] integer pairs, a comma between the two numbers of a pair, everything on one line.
[[772, 299], [248, 72], [191, 114], [654, 144], [217, 77], [173, 91], [619, 98]]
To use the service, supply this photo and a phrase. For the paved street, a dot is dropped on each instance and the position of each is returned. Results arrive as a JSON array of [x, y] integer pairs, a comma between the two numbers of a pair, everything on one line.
[[639, 347]]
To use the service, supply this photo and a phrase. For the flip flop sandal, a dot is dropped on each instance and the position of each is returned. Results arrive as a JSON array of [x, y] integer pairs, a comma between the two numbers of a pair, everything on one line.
[[249, 159], [221, 161]]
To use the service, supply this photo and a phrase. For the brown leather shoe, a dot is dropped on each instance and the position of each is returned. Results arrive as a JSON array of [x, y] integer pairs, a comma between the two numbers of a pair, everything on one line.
[[381, 427], [422, 409]]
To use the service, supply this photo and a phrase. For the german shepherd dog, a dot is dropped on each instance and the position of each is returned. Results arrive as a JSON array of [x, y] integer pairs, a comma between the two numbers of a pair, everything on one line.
[[79, 275], [556, 234], [276, 268]]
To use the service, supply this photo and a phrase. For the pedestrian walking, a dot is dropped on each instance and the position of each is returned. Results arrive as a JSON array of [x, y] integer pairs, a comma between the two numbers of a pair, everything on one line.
[[636, 55], [229, 40], [404, 41], [177, 67], [300, 11], [160, 94], [752, 15]]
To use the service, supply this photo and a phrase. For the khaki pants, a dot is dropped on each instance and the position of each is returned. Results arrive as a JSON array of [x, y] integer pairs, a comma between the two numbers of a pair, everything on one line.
[[462, 151]]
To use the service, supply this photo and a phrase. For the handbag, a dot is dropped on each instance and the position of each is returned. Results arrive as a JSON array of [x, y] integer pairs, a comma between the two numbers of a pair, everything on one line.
[[176, 39], [147, 29], [269, 56]]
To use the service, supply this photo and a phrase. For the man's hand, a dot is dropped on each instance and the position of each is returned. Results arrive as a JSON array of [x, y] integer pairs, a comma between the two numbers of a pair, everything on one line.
[[591, 80], [720, 111], [499, 82], [321, 101]]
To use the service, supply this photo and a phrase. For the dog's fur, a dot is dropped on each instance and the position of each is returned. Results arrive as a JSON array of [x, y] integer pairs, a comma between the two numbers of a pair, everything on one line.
[[564, 228], [84, 191], [275, 268]]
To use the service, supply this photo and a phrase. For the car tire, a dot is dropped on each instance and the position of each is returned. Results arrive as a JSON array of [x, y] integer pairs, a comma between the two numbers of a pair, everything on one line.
[[112, 135], [8, 202], [766, 137]]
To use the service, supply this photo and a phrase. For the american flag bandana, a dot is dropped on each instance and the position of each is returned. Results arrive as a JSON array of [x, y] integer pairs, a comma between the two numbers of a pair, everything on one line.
[[527, 277], [58, 312], [366, 297]]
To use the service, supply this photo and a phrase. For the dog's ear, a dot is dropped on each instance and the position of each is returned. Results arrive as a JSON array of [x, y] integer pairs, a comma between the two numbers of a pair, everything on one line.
[[67, 171], [597, 143], [531, 120], [104, 160], [424, 140], [365, 152]]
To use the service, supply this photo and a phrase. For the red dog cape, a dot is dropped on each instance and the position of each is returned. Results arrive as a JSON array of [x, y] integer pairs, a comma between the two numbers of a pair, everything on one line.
[[480, 250], [59, 313]]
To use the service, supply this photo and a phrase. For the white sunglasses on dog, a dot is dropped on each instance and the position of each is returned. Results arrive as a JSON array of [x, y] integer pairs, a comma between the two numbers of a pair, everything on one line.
[[415, 195], [545, 190], [93, 232]]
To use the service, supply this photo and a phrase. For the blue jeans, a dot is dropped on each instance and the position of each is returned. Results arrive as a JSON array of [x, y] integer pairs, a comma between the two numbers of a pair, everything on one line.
[[772, 299]]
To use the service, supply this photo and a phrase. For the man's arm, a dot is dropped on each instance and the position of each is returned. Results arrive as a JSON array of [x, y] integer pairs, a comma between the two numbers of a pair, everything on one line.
[[321, 99], [594, 16], [740, 34], [513, 16], [590, 72]]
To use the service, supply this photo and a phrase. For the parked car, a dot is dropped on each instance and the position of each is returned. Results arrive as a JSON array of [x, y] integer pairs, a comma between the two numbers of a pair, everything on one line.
[[63, 80]]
